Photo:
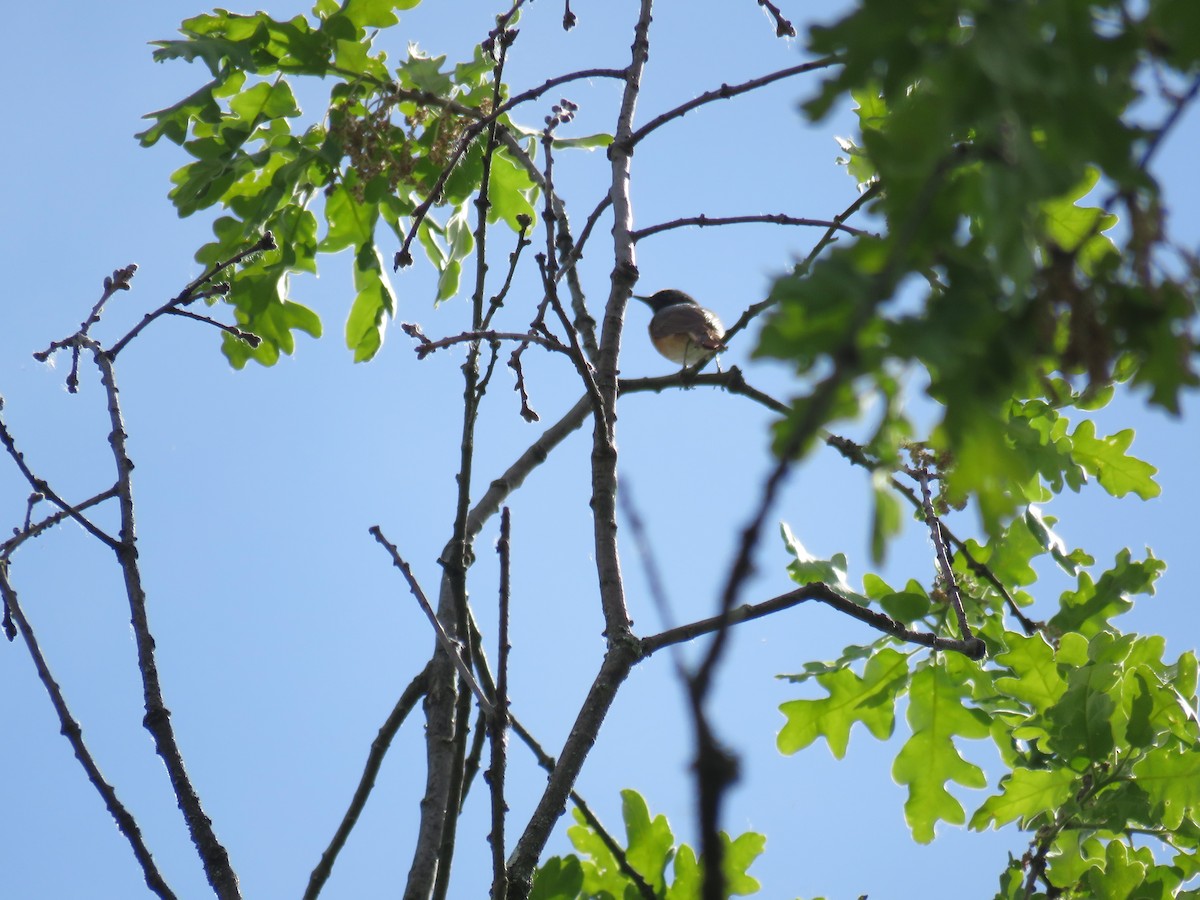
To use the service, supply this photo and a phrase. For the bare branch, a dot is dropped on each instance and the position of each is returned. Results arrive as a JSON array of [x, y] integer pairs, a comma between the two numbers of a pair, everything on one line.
[[191, 293], [366, 783], [783, 28], [827, 238], [946, 569], [232, 330], [618, 662], [725, 91], [448, 644], [498, 725], [41, 487], [814, 591], [704, 221], [35, 529], [1177, 109], [119, 280], [547, 762], [212, 853], [426, 346], [74, 735]]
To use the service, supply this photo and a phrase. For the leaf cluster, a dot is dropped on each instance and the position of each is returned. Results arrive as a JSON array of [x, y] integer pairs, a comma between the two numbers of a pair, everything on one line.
[[985, 130], [376, 153], [1096, 730], [600, 874]]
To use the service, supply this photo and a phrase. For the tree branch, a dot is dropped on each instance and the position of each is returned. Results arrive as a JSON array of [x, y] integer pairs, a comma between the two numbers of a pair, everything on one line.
[[725, 91], [704, 221], [42, 487], [190, 293], [71, 730], [449, 645], [814, 591], [498, 724], [213, 854], [366, 783]]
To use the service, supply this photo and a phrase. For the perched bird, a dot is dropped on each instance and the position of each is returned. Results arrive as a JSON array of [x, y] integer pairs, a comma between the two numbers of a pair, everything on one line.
[[681, 329]]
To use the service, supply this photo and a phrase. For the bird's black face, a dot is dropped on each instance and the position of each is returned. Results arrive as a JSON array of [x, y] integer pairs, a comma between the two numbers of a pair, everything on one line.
[[662, 299]]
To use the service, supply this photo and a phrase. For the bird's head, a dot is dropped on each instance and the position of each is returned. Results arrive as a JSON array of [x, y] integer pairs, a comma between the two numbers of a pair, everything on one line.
[[660, 300]]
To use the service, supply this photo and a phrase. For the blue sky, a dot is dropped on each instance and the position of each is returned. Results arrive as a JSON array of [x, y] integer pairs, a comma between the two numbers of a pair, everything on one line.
[[285, 634]]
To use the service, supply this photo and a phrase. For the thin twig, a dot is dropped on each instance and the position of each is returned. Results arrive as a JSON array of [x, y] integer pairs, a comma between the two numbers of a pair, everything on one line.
[[190, 293], [582, 366], [448, 644], [40, 527], [523, 241], [822, 593], [479, 736], [827, 238], [71, 730], [783, 28], [43, 488], [119, 280], [943, 557], [704, 221], [855, 454], [404, 254], [232, 330], [427, 346], [564, 244], [366, 782], [726, 91]]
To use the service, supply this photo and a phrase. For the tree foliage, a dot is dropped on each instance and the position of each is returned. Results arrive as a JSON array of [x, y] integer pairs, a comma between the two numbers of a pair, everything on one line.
[[1011, 253]]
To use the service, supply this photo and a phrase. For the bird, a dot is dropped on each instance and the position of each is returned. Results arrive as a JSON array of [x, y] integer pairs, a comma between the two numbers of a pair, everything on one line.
[[681, 329]]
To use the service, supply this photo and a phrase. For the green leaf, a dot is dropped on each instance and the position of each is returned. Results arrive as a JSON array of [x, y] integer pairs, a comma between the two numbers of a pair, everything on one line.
[[1124, 873], [929, 757], [585, 142], [350, 223], [509, 191], [174, 122], [423, 73], [601, 872], [375, 13], [449, 280], [1077, 229], [870, 699], [1082, 721], [558, 878], [265, 101], [807, 569], [650, 841], [689, 876], [1118, 473], [373, 304], [1036, 679], [886, 517], [1026, 794], [740, 854], [650, 848], [906, 606], [1088, 608], [1171, 779]]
